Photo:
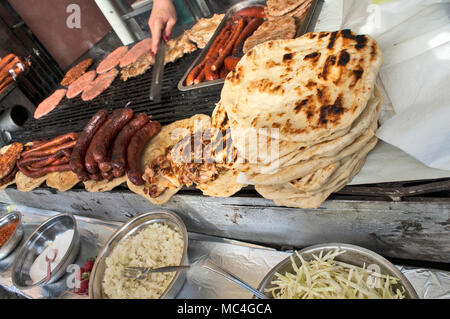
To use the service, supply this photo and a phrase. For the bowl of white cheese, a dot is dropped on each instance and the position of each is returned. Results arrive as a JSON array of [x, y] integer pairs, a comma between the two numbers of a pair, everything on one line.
[[47, 253]]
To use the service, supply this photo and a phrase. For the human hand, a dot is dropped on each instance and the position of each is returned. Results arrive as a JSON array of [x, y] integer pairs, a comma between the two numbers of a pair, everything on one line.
[[162, 20]]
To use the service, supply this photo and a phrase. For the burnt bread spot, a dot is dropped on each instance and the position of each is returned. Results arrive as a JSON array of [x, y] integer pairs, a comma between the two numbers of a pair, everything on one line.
[[348, 34], [311, 84], [287, 57], [331, 60], [299, 105], [313, 57], [357, 74], [361, 41], [331, 113], [344, 58], [323, 34], [332, 40], [312, 35]]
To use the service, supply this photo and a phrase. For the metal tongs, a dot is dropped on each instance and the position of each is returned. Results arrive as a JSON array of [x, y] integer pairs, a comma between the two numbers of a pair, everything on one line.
[[158, 72]]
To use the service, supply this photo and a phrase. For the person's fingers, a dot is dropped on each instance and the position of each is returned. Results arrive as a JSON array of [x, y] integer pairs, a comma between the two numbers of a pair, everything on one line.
[[169, 26], [156, 28]]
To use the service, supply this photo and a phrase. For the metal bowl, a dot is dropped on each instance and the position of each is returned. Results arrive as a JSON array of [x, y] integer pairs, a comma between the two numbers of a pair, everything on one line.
[[132, 227], [17, 235], [43, 236], [354, 255]]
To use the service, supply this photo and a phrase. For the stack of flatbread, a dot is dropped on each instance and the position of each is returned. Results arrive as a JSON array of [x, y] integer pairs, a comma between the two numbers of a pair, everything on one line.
[[292, 8], [303, 114]]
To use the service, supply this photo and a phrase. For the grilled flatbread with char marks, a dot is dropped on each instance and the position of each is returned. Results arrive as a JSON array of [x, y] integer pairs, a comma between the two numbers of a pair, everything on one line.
[[308, 88]]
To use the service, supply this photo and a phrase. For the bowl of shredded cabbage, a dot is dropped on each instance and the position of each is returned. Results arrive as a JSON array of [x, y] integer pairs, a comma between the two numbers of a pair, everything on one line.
[[336, 271]]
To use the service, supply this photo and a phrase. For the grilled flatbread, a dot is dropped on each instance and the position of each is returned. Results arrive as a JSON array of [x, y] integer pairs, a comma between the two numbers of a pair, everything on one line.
[[274, 29], [104, 185], [319, 181], [203, 30], [309, 88], [281, 7], [315, 200], [303, 168], [27, 184], [368, 118], [62, 181]]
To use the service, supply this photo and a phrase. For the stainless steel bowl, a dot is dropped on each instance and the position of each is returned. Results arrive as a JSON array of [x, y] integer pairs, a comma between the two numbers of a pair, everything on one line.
[[133, 227], [354, 255], [15, 238], [43, 236]]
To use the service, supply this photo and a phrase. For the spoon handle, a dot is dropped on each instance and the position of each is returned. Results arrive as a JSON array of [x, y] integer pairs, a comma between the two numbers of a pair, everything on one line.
[[208, 264]]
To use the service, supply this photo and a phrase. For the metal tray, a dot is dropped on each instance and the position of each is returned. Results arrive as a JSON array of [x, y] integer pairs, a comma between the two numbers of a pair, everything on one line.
[[237, 7]]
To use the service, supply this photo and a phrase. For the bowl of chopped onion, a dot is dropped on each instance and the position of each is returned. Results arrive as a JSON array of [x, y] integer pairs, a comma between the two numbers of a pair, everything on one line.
[[336, 271]]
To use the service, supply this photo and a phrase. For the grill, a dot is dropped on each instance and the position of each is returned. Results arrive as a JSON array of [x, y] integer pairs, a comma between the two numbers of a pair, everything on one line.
[[72, 115]]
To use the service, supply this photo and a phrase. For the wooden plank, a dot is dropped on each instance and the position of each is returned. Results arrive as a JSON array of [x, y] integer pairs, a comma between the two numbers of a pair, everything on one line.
[[409, 230]]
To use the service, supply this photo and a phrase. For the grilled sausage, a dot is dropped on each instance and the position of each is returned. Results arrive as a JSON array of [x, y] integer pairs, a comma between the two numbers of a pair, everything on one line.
[[229, 46], [45, 160], [106, 166], [102, 141], [108, 175], [120, 145], [43, 171], [194, 73], [4, 72], [231, 62], [52, 150], [90, 163], [249, 29], [135, 148], [214, 49], [97, 177], [50, 162], [223, 72], [210, 75], [6, 60], [200, 77], [118, 172], [54, 142], [255, 11], [85, 138]]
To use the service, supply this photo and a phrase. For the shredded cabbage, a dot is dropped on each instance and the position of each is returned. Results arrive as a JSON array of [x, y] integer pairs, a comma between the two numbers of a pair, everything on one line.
[[326, 278]]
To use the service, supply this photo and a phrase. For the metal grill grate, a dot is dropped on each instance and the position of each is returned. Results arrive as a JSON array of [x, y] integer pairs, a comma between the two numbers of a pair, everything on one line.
[[72, 115]]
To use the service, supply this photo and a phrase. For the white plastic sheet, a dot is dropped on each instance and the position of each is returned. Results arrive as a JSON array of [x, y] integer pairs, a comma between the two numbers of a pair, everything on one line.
[[415, 38]]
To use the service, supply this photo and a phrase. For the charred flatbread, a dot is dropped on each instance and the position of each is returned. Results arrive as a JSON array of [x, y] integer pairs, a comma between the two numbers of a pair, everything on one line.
[[278, 8], [309, 88], [274, 29]]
